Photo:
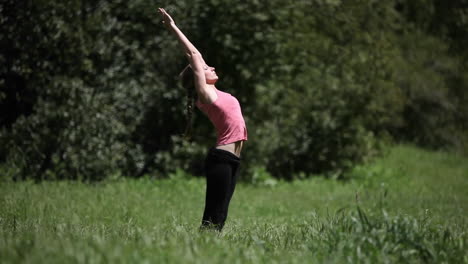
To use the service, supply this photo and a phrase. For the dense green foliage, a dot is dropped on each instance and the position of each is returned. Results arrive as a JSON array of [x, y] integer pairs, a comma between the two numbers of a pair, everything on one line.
[[89, 88], [409, 207]]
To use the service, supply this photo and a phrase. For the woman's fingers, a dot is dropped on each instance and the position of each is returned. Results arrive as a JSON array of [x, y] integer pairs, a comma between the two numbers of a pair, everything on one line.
[[162, 12]]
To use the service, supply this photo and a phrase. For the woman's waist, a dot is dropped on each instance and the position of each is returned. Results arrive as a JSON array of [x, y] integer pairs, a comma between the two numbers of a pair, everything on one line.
[[234, 147]]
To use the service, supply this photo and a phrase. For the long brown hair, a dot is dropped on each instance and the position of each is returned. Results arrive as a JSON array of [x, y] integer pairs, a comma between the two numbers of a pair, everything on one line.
[[187, 79]]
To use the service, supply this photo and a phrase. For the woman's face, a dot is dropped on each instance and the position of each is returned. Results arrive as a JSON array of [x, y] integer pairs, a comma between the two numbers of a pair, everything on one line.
[[210, 74]]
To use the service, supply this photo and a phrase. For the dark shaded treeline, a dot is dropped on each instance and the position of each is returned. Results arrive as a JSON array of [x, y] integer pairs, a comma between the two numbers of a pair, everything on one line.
[[89, 89]]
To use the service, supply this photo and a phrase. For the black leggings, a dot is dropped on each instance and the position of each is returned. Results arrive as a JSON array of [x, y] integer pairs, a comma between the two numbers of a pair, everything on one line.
[[221, 169]]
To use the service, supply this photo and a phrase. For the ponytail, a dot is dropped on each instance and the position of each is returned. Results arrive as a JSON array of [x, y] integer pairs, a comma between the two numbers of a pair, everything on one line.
[[186, 76]]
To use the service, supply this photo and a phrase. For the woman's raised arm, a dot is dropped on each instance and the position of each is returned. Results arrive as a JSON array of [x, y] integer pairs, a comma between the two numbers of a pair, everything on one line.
[[188, 47], [206, 93]]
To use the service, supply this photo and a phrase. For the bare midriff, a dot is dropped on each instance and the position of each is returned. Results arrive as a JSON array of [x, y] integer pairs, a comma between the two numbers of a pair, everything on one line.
[[235, 147]]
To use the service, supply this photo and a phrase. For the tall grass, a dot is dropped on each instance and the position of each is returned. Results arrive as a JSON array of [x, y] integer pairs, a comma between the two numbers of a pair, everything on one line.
[[409, 207]]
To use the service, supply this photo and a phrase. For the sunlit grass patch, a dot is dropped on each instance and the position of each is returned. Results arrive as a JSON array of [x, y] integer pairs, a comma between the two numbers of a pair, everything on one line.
[[398, 209]]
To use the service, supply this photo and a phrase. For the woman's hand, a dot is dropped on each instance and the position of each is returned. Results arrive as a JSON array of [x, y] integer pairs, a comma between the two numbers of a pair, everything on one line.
[[189, 50], [166, 18]]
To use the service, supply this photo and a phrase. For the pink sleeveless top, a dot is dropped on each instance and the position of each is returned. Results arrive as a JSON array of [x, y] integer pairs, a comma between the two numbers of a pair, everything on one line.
[[226, 115]]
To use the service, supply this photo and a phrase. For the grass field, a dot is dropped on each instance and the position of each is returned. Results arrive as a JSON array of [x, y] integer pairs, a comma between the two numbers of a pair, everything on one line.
[[409, 207]]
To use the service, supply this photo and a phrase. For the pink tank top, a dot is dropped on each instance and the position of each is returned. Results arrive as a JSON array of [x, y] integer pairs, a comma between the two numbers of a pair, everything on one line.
[[226, 115]]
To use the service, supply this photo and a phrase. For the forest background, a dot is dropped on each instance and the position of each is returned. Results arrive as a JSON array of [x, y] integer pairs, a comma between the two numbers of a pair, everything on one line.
[[89, 89]]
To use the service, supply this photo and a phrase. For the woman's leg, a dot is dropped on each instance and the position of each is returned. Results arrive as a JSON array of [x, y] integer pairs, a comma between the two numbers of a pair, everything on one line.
[[220, 184], [232, 187]]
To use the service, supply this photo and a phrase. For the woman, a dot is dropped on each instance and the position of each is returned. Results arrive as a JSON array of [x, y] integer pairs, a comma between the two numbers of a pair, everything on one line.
[[223, 110]]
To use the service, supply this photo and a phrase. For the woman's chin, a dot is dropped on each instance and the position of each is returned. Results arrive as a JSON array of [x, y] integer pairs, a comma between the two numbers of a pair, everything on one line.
[[211, 81]]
